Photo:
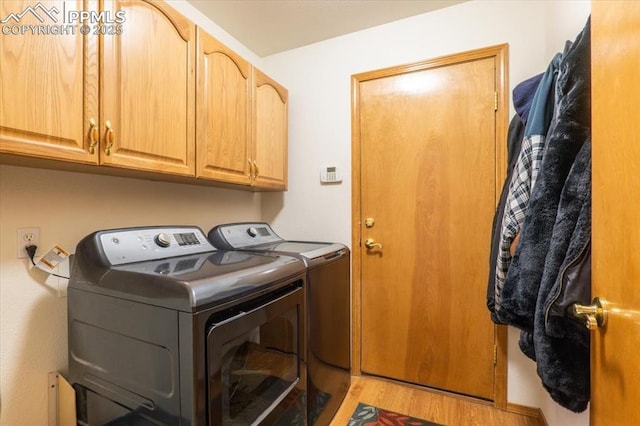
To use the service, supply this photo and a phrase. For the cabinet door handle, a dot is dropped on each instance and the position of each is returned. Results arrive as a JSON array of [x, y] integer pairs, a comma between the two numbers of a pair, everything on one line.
[[110, 137], [93, 135], [250, 168], [256, 170]]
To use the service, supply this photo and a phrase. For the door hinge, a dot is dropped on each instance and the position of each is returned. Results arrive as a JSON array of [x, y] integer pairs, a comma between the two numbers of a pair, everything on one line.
[[495, 101], [495, 354]]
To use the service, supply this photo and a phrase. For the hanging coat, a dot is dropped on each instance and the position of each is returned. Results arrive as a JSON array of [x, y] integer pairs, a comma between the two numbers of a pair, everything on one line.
[[522, 181], [523, 95], [556, 233]]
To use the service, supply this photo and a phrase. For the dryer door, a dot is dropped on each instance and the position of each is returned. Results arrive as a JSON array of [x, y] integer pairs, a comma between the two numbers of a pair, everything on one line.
[[254, 363]]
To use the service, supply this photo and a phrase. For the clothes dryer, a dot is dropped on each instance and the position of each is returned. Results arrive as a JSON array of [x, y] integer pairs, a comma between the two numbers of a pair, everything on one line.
[[327, 303]]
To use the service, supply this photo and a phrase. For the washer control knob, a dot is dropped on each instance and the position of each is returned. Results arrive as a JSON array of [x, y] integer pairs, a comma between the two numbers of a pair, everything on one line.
[[163, 240], [252, 231]]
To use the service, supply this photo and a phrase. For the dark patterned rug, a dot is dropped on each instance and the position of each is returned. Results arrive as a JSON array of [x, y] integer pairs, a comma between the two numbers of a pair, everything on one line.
[[368, 415]]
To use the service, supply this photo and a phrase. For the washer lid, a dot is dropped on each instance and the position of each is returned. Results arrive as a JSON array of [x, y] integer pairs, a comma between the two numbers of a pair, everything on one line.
[[259, 237], [187, 283], [192, 283], [308, 249]]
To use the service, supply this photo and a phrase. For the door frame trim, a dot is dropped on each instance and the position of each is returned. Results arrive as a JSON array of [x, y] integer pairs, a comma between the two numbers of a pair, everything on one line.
[[500, 53]]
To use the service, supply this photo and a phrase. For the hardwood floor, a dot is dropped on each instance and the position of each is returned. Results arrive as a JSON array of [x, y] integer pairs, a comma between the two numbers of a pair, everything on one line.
[[434, 406]]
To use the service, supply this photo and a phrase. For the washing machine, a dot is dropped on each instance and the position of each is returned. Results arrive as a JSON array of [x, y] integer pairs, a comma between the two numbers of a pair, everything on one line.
[[327, 305], [165, 329]]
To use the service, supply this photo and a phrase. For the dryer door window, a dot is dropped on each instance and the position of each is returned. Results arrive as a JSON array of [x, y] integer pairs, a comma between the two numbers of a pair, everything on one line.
[[254, 364]]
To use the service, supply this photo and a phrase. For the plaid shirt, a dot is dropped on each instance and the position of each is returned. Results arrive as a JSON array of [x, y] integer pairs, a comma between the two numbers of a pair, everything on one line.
[[522, 181]]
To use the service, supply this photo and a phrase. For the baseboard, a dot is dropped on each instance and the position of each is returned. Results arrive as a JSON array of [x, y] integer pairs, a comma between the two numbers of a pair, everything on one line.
[[527, 411]]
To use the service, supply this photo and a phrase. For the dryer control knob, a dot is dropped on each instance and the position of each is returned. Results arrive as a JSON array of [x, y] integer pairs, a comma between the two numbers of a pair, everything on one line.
[[163, 240], [252, 231]]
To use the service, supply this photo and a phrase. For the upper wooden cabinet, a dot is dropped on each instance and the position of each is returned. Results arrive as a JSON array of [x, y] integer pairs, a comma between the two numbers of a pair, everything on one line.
[[241, 120], [143, 82], [48, 90], [125, 95], [270, 133], [148, 89], [223, 119]]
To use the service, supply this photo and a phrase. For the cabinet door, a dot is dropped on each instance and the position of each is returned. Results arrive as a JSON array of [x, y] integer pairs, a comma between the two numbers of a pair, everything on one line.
[[270, 138], [223, 119], [148, 90], [48, 85]]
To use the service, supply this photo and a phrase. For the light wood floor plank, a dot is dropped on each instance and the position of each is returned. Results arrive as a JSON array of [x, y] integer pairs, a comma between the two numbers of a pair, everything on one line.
[[430, 405]]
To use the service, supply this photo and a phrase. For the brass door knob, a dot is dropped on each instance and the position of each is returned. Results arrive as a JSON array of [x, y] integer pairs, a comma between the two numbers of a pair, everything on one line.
[[371, 244], [594, 315]]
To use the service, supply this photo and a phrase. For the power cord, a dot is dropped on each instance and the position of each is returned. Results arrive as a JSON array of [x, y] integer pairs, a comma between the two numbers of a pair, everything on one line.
[[31, 251]]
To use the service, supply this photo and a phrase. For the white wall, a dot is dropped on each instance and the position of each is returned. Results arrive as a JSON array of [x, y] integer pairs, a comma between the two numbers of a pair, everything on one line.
[[318, 79]]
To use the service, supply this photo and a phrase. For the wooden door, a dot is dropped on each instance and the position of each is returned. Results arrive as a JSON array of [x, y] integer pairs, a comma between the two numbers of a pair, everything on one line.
[[427, 180], [224, 108], [615, 366], [270, 126], [48, 86], [148, 104]]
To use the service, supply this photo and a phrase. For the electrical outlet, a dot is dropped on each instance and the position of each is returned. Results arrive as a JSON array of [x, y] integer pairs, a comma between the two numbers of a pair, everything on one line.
[[26, 237]]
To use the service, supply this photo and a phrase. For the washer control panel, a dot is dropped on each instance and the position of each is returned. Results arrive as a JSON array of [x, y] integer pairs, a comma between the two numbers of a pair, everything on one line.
[[122, 246], [235, 236]]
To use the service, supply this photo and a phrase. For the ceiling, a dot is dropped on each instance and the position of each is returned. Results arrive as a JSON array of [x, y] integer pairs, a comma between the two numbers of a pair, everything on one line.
[[272, 26]]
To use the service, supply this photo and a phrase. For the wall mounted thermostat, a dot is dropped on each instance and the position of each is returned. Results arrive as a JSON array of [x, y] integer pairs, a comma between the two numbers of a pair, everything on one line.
[[330, 174]]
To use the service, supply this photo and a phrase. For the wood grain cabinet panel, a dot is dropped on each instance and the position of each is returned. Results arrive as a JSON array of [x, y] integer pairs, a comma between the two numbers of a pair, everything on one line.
[[143, 82], [48, 88], [148, 106], [223, 120], [241, 120], [270, 133]]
